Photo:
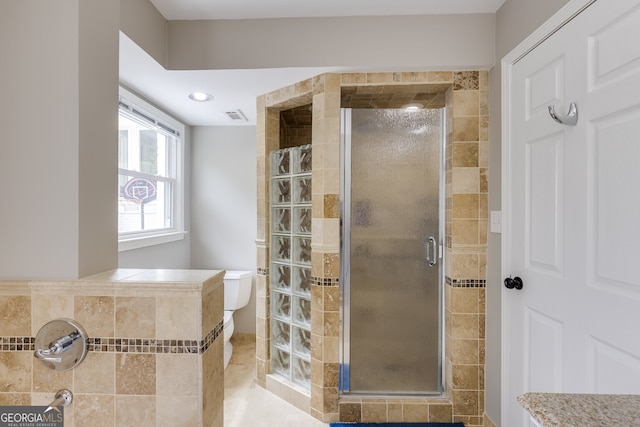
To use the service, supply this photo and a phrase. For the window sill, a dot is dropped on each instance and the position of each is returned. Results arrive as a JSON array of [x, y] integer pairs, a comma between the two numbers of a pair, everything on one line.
[[143, 242]]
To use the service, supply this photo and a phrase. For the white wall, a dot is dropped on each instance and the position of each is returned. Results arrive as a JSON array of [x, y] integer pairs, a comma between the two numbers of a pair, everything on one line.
[[224, 217], [58, 112], [377, 42], [142, 23], [515, 20]]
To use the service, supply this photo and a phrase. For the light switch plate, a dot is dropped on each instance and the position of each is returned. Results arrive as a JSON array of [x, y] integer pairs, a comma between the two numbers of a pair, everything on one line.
[[496, 222]]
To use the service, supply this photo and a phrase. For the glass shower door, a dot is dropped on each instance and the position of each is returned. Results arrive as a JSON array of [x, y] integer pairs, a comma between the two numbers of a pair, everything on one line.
[[391, 252]]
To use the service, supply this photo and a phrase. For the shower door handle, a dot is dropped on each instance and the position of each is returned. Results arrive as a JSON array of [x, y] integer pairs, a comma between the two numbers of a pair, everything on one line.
[[430, 251]]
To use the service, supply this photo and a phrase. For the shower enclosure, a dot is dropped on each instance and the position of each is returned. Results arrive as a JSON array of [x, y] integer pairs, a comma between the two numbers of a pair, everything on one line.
[[392, 228]]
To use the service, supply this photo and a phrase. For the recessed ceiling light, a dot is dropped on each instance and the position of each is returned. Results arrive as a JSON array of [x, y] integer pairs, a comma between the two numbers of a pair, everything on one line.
[[200, 96], [413, 106]]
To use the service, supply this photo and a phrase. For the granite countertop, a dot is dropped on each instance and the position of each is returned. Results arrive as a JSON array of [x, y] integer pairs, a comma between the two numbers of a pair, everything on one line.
[[582, 410]]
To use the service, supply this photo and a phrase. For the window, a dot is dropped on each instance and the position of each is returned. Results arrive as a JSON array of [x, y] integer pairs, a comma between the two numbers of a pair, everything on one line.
[[149, 174]]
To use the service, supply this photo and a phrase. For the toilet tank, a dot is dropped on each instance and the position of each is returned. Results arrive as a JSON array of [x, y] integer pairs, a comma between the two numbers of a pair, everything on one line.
[[237, 289]]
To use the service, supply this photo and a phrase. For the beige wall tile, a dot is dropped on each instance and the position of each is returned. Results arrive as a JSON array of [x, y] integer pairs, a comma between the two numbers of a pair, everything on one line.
[[317, 297], [466, 103], [465, 154], [48, 380], [331, 324], [330, 402], [332, 206], [332, 180], [212, 383], [177, 375], [466, 129], [136, 374], [317, 398], [465, 180], [394, 411], [177, 319], [15, 371], [465, 206], [464, 326], [135, 411], [484, 180], [96, 314], [135, 317], [317, 349], [331, 374], [317, 323], [15, 316], [15, 399], [379, 77], [464, 231], [317, 178], [212, 310], [95, 410], [374, 412], [331, 350], [465, 377], [304, 86], [415, 411], [331, 267], [465, 402], [351, 412], [96, 374], [167, 414], [353, 78], [317, 372], [48, 307], [332, 83], [464, 351], [464, 266], [331, 298], [440, 76], [440, 413], [464, 300], [262, 307], [483, 230]]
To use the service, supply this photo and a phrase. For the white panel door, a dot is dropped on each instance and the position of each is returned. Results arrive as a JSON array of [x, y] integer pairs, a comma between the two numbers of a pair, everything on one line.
[[573, 206]]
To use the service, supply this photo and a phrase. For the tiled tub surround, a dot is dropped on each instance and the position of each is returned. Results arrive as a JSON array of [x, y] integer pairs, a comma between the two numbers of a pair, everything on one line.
[[155, 347], [465, 97]]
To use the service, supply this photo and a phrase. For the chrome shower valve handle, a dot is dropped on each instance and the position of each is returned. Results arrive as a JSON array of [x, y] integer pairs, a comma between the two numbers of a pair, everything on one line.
[[61, 344], [57, 347]]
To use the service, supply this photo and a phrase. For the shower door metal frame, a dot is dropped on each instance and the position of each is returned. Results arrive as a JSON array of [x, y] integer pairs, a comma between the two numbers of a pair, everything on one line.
[[345, 251]]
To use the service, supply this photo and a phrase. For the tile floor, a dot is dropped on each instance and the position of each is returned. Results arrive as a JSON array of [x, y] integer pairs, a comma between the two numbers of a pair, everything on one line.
[[246, 404]]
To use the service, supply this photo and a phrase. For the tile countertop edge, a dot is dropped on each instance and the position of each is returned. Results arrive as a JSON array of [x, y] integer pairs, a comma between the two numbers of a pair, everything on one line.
[[583, 410], [123, 280]]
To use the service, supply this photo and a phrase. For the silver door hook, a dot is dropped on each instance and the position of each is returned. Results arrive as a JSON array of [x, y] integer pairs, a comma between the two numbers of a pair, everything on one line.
[[571, 119]]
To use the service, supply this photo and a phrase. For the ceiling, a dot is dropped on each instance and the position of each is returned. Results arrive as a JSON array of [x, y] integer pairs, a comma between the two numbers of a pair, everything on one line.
[[254, 9], [237, 89]]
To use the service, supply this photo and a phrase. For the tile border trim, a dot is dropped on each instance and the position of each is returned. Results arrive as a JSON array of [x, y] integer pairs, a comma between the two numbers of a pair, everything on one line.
[[466, 283], [127, 345], [325, 281]]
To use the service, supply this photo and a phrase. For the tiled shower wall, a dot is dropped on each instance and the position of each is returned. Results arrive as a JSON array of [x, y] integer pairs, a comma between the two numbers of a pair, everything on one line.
[[466, 223], [155, 349]]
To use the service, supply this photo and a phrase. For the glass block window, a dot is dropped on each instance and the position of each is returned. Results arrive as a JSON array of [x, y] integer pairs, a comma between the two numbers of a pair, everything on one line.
[[290, 266]]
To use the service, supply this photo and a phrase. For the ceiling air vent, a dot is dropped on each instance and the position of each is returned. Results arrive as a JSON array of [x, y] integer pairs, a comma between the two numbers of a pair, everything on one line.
[[236, 115]]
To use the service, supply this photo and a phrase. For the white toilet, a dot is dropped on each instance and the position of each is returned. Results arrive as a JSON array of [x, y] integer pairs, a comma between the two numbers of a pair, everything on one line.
[[237, 292]]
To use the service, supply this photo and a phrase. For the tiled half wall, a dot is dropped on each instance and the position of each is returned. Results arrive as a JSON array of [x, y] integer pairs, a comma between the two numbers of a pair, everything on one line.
[[155, 347], [464, 94]]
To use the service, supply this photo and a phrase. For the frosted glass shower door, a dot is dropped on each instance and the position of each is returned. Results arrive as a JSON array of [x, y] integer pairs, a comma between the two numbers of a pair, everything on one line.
[[391, 251]]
